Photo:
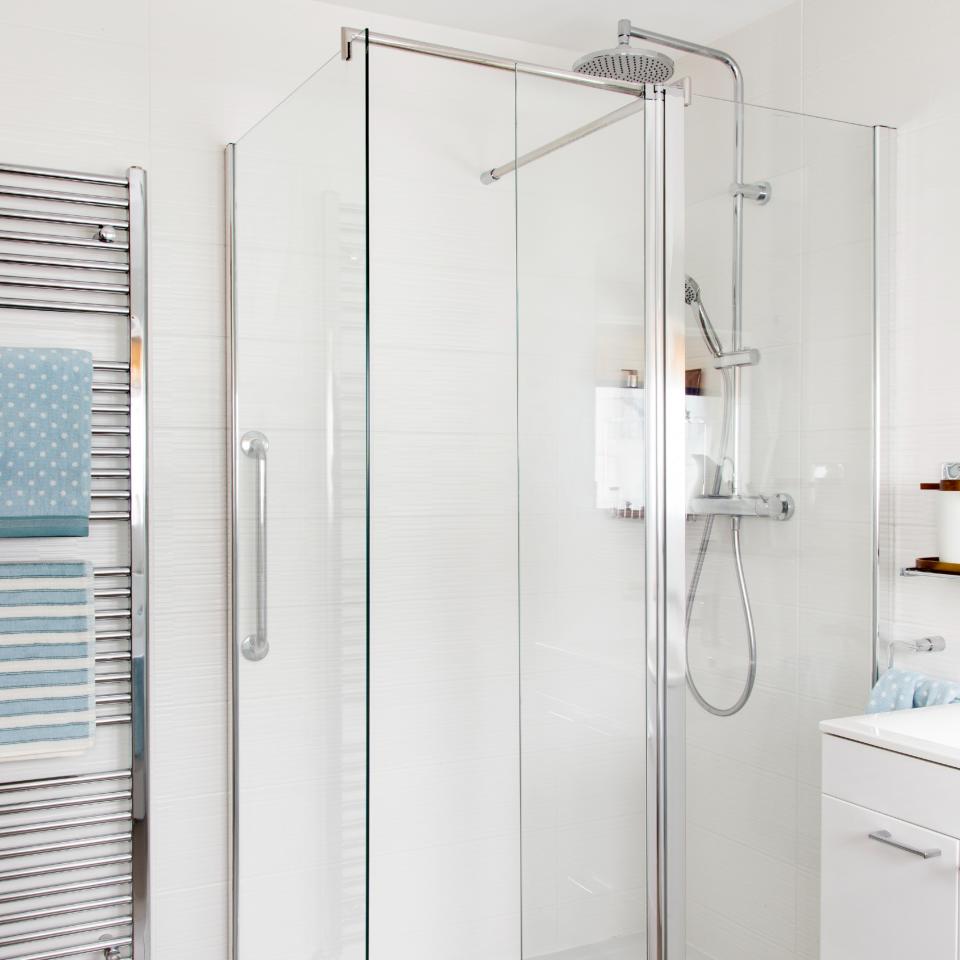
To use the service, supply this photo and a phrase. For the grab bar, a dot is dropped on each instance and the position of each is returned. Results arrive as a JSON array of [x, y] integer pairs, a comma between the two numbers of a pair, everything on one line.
[[884, 836], [255, 646]]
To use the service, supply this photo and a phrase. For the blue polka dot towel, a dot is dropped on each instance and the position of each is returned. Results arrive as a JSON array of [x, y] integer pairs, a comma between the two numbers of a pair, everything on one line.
[[45, 400], [903, 689]]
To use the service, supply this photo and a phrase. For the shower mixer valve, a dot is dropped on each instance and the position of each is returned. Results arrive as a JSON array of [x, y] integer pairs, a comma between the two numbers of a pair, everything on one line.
[[778, 506]]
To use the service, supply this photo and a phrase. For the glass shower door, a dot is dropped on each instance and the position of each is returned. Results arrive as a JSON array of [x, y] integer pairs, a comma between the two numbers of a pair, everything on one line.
[[299, 550]]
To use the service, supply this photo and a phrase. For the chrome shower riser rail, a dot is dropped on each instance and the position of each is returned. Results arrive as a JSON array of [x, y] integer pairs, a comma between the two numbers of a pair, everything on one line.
[[349, 34]]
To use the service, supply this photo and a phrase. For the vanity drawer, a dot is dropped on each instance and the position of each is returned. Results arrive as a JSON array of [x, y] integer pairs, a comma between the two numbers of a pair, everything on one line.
[[914, 790], [888, 888]]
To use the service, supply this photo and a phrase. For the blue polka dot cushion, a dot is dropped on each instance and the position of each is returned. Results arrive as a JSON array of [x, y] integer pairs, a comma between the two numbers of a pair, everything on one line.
[[45, 401], [904, 689]]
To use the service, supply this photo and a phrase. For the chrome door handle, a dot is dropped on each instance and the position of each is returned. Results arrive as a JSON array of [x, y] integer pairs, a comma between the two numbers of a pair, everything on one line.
[[255, 646], [884, 836]]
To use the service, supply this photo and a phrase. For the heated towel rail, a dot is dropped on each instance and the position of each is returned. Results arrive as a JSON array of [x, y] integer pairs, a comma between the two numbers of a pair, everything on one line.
[[73, 831]]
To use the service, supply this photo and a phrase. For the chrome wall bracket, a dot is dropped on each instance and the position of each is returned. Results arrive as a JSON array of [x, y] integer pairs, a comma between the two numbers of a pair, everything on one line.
[[778, 506], [758, 192]]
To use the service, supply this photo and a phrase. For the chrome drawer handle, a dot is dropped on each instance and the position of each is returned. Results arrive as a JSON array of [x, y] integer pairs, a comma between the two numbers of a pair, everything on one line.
[[255, 445], [884, 836]]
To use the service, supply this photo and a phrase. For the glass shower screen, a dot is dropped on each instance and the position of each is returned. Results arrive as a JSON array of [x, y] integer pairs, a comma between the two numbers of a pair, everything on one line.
[[299, 551]]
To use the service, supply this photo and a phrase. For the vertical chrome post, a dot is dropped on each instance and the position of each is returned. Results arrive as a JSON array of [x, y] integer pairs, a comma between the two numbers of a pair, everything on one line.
[[664, 511], [139, 558], [884, 153], [233, 679]]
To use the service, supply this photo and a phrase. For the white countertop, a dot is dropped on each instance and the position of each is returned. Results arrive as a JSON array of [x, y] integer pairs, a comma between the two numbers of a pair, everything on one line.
[[929, 733]]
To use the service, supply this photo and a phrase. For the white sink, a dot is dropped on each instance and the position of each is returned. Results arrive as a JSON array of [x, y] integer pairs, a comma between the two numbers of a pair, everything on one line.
[[929, 733]]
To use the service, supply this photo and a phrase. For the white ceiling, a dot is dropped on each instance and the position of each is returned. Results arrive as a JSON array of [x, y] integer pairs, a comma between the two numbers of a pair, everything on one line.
[[581, 25]]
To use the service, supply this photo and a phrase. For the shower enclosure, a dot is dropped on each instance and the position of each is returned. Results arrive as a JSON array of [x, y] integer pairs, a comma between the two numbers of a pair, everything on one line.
[[482, 317]]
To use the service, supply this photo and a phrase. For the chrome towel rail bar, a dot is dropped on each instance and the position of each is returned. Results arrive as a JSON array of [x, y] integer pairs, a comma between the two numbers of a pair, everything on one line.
[[72, 780], [23, 303], [99, 883], [69, 175], [23, 828], [63, 846], [66, 908], [63, 241], [27, 259], [66, 219], [63, 196], [94, 286], [57, 802], [53, 868], [101, 948], [87, 927]]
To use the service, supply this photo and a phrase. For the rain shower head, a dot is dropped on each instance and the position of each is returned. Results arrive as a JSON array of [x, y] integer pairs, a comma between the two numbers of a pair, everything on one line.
[[623, 62], [691, 290]]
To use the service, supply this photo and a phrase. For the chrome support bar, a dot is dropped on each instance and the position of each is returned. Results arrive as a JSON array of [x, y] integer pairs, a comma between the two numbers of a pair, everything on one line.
[[256, 646], [491, 176], [350, 34], [778, 506], [884, 836]]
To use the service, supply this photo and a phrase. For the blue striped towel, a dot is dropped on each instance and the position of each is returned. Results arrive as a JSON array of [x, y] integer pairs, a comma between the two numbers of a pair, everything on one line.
[[45, 400], [47, 700]]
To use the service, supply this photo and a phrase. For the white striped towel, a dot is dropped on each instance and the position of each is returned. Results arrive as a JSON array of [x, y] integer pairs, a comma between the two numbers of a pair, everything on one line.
[[47, 641]]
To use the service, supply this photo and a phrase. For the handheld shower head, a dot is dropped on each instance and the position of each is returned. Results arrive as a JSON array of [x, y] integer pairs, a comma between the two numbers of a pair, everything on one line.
[[692, 297], [623, 62]]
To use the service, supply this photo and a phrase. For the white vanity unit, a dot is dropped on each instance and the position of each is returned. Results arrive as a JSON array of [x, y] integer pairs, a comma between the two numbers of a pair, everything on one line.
[[891, 836]]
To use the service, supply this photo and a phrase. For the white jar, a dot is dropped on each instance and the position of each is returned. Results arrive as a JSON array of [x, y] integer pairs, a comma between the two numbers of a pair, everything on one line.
[[948, 514]]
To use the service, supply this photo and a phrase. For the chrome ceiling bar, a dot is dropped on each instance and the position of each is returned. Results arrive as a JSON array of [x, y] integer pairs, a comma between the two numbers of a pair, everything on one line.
[[349, 34], [635, 106]]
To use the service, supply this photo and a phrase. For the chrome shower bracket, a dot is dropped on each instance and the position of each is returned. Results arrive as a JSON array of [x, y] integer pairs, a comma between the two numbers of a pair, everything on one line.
[[742, 358], [757, 192], [778, 506]]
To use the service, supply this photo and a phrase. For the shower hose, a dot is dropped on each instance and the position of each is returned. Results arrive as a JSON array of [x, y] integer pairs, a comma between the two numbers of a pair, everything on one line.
[[704, 546]]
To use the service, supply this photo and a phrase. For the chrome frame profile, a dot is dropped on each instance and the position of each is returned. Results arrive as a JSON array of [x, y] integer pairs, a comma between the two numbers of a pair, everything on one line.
[[665, 510], [884, 239], [233, 506], [139, 559]]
